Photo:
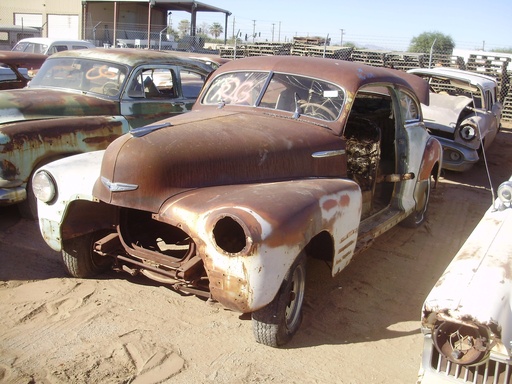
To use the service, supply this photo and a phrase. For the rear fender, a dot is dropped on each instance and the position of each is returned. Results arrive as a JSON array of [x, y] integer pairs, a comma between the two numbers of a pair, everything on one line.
[[432, 160]]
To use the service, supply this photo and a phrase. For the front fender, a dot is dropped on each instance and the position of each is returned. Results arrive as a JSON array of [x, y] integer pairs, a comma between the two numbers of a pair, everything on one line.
[[275, 221], [74, 179]]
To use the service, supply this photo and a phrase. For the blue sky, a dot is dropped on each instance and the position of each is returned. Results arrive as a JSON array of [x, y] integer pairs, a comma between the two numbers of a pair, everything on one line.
[[373, 23]]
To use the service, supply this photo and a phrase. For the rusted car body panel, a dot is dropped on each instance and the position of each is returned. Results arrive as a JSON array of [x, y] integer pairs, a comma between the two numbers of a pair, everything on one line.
[[467, 316], [72, 107], [14, 63], [221, 201], [464, 113]]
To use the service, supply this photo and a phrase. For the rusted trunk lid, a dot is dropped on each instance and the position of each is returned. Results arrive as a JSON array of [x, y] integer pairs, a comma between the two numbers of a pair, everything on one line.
[[209, 148], [33, 104]]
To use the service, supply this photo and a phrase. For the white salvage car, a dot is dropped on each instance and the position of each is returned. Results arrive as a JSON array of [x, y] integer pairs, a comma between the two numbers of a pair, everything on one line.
[[464, 113], [467, 317]]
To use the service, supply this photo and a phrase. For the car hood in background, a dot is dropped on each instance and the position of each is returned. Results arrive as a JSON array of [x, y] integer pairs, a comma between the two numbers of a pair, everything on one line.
[[34, 104], [444, 111]]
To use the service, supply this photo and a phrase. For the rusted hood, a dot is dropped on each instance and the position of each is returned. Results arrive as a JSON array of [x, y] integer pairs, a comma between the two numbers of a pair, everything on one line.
[[210, 148], [33, 104]]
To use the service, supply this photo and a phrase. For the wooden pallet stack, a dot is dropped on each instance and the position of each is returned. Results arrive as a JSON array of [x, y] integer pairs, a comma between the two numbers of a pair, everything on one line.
[[406, 60], [370, 57], [267, 49], [497, 67], [228, 52], [443, 60]]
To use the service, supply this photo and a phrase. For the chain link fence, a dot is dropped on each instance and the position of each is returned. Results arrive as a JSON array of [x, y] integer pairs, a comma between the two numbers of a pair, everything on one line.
[[493, 64], [161, 37]]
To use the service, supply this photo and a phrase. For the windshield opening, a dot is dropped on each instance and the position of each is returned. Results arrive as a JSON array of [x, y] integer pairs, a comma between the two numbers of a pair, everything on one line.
[[81, 75], [285, 92]]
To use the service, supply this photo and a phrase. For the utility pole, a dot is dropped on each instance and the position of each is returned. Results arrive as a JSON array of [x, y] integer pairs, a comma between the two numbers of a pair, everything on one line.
[[342, 33], [253, 30], [273, 32]]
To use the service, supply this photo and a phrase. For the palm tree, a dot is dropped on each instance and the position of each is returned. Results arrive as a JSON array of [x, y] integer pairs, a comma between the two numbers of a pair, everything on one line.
[[216, 29]]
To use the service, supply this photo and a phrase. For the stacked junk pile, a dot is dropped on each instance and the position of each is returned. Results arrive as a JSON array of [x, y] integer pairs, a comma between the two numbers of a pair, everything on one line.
[[492, 65]]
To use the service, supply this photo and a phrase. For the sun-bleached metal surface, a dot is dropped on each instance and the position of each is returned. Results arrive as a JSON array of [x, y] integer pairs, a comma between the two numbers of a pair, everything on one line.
[[474, 292]]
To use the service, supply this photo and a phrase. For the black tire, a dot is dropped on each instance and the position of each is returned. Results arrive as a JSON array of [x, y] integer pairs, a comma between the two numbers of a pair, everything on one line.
[[275, 324], [80, 259], [418, 217], [28, 207]]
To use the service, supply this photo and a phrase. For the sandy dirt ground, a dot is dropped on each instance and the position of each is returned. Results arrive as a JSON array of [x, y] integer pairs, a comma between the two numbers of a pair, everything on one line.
[[360, 327]]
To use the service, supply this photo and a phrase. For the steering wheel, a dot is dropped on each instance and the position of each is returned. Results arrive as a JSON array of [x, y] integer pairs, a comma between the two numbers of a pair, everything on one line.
[[98, 72], [314, 109], [110, 88]]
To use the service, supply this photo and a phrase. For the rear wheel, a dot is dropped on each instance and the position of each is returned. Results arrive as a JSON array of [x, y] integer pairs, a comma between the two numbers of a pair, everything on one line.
[[81, 260], [275, 324], [419, 216]]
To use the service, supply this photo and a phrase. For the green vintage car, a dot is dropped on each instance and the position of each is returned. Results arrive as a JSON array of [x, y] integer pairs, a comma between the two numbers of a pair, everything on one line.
[[82, 100]]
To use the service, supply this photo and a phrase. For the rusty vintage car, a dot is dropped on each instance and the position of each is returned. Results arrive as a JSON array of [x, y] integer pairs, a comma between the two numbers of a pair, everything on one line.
[[464, 113], [280, 159], [81, 101], [467, 317], [18, 68]]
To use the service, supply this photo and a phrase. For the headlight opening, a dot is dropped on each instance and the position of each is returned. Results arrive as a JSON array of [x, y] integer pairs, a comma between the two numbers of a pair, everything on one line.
[[462, 344], [230, 236], [44, 186], [468, 131]]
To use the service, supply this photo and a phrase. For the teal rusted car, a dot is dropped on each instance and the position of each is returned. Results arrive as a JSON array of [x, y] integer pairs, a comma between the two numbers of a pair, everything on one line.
[[82, 100]]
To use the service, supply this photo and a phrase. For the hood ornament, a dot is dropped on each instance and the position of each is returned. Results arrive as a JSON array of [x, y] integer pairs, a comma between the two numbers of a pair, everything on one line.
[[118, 187]]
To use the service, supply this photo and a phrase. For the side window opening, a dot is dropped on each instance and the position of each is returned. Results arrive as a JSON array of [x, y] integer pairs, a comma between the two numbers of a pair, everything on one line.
[[154, 83]]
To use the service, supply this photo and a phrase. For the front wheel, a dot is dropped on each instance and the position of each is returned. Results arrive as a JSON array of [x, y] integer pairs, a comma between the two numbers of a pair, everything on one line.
[[275, 324], [80, 259], [419, 216]]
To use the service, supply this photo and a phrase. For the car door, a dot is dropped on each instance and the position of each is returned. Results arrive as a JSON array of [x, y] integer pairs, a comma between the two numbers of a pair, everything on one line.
[[156, 92]]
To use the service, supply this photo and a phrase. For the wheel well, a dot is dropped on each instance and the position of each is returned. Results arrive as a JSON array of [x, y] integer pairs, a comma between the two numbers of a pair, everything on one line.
[[321, 247], [85, 216]]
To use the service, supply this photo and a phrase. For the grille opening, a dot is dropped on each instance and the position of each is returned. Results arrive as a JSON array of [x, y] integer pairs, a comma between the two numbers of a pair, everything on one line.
[[490, 372], [138, 229]]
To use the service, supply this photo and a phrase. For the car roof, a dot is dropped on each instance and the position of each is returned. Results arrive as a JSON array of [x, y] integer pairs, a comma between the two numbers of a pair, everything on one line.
[[49, 40], [129, 56], [475, 78], [350, 75]]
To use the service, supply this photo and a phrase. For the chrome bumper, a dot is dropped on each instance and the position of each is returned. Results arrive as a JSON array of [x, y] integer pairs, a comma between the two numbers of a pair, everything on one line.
[[9, 196], [456, 157]]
